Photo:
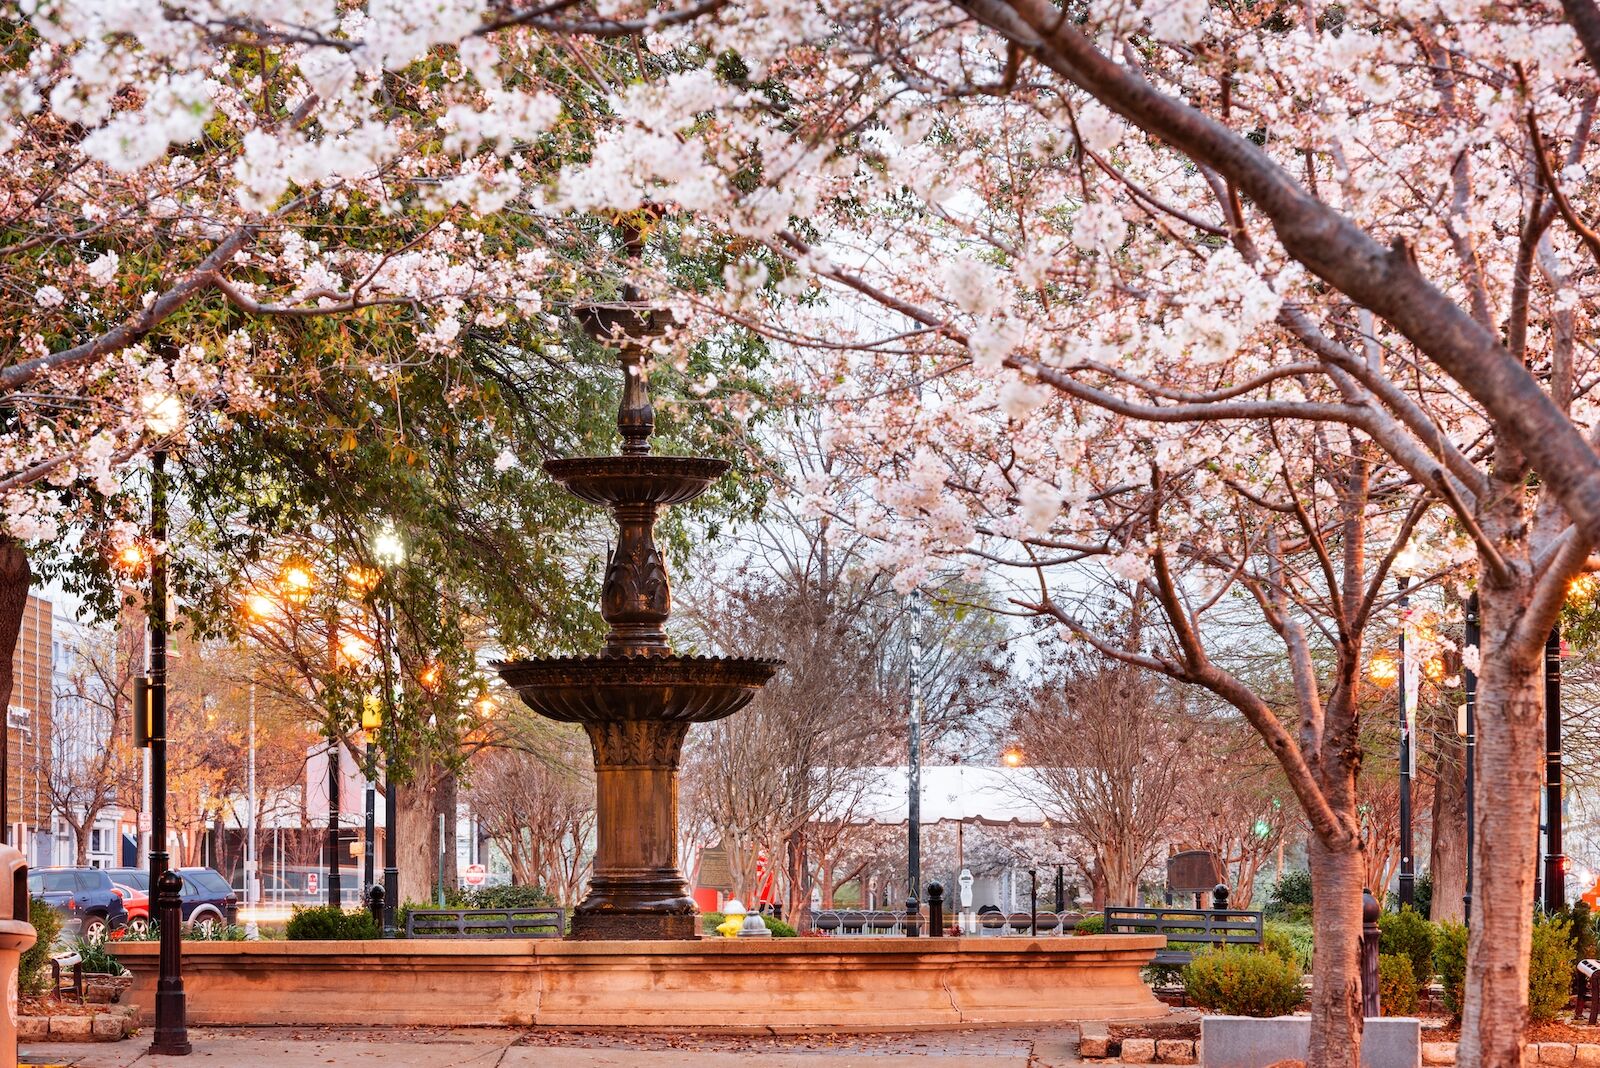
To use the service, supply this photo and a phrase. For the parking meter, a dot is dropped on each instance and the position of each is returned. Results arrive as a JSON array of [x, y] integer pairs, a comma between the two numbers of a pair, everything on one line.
[[16, 935]]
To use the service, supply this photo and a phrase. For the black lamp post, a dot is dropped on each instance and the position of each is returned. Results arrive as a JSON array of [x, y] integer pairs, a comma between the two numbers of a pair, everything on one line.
[[914, 777], [1407, 861], [1471, 639], [389, 552], [1555, 863], [171, 1032]]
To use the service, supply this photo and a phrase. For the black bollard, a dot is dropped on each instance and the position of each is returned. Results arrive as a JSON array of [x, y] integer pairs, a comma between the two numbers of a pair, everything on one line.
[[1219, 896], [171, 1037], [1369, 954], [935, 910], [375, 903], [913, 917]]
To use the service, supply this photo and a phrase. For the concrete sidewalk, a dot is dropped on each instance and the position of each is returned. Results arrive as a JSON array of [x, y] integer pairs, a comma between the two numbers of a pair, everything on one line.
[[491, 1048]]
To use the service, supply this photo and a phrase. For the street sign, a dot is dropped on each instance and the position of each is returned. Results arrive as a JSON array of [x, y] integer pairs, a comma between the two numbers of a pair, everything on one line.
[[311, 882], [474, 874]]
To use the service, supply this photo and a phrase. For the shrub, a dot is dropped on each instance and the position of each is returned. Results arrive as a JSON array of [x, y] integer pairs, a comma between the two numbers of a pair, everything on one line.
[[1243, 982], [326, 923], [1422, 898], [1407, 934], [97, 960], [779, 928], [1450, 963], [1397, 985], [1291, 895], [500, 897], [1298, 935], [33, 971], [1550, 968], [1091, 924], [1582, 927]]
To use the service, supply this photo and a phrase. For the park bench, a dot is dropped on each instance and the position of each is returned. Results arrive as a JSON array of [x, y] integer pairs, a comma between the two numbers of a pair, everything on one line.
[[70, 961], [1187, 927], [1586, 984], [486, 923]]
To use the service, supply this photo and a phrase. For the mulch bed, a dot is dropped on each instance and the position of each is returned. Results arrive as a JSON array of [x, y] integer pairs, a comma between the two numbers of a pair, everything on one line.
[[1560, 1030], [1176, 1029], [57, 1005]]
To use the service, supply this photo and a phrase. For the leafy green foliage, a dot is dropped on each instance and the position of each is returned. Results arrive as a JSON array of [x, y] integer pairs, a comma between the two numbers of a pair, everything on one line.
[[1582, 925], [324, 923], [1422, 895], [500, 897], [1243, 982], [1291, 896], [33, 971], [1092, 924], [1450, 963], [1397, 985], [96, 958], [1298, 935], [779, 928], [1406, 933], [1550, 968]]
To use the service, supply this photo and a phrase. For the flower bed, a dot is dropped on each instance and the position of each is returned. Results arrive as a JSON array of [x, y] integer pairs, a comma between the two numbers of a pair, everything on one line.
[[66, 1019]]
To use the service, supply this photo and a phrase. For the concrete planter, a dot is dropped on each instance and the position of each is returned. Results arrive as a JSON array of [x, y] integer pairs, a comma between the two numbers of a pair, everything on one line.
[[784, 985], [1247, 1042]]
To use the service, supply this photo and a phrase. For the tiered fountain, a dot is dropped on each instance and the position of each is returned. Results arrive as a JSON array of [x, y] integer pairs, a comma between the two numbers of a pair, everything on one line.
[[636, 699]]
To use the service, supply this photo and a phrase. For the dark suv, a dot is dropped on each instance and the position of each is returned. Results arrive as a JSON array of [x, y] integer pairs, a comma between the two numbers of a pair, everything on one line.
[[207, 901], [84, 895]]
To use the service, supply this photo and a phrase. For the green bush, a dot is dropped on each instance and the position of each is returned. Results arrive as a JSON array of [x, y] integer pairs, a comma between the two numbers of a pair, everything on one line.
[[1095, 923], [97, 960], [1397, 985], [1243, 982], [1422, 897], [1450, 963], [1583, 932], [33, 971], [500, 897], [710, 920], [326, 923], [1550, 968], [1407, 934], [1299, 936], [1291, 896], [779, 928]]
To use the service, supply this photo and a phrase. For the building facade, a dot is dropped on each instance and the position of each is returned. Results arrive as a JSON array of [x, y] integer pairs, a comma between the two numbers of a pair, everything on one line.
[[28, 723]]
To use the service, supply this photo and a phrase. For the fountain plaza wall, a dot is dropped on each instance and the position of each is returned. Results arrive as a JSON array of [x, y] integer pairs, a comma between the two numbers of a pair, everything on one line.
[[729, 985]]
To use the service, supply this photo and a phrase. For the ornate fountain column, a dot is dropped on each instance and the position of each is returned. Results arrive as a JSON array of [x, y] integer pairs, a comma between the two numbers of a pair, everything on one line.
[[636, 700]]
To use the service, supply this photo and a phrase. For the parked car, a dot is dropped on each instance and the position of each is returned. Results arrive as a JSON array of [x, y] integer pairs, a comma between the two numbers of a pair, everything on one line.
[[130, 882], [206, 901], [87, 898]]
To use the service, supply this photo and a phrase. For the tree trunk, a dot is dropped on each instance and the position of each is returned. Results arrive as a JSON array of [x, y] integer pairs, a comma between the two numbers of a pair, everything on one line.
[[80, 841], [1510, 756], [1336, 1018], [417, 851], [1447, 856]]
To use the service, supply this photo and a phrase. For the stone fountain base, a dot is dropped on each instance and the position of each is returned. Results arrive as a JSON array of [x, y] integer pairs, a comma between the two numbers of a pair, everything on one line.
[[716, 985]]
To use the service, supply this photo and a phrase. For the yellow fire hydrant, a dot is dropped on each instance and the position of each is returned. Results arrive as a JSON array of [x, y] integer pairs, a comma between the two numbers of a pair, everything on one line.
[[734, 911]]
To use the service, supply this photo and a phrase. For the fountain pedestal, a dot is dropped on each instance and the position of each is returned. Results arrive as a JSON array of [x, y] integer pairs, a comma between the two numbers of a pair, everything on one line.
[[637, 890]]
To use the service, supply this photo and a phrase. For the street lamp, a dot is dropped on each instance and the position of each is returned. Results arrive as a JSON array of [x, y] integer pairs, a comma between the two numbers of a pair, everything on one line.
[[163, 417], [1470, 639], [914, 771], [389, 553]]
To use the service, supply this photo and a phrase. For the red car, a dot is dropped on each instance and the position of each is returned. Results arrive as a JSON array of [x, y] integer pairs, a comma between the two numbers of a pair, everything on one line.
[[136, 901]]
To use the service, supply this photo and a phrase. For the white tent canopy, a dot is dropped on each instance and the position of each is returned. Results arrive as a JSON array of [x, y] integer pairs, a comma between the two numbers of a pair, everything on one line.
[[951, 793]]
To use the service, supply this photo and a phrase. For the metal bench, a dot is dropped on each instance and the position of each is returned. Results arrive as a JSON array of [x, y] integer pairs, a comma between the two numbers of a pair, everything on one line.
[[486, 923], [1586, 984], [1196, 927]]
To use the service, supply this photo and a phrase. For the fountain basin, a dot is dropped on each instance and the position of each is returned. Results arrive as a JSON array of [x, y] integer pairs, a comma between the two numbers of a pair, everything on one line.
[[604, 689], [658, 480], [714, 985]]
